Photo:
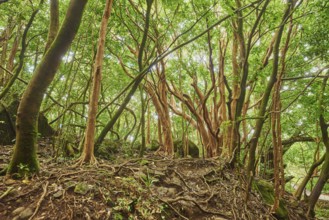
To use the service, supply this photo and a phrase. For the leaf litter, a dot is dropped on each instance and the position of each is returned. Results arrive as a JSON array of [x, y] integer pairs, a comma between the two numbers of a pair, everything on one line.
[[148, 188]]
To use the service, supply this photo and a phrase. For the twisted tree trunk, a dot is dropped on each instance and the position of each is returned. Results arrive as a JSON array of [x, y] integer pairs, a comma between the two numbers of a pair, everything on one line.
[[28, 110], [88, 149]]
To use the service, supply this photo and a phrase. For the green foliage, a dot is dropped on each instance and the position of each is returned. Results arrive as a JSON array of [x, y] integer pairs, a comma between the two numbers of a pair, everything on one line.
[[173, 23], [267, 192], [23, 171], [148, 180]]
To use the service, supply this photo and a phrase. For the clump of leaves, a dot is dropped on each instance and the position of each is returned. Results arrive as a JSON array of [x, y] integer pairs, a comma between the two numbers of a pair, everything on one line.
[[23, 171], [148, 180]]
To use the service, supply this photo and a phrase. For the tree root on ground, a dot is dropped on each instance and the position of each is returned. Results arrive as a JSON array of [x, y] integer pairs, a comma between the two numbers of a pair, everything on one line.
[[88, 161], [198, 205], [40, 200], [6, 192]]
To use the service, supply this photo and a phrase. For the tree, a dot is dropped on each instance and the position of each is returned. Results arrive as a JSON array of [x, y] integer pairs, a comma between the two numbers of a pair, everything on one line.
[[262, 111], [324, 175], [88, 149], [26, 124]]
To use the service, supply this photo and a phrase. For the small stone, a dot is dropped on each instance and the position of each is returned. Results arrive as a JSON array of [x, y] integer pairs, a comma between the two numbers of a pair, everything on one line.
[[18, 210], [58, 194], [172, 192], [26, 213], [69, 184], [162, 191], [10, 181], [139, 174], [81, 188], [157, 173]]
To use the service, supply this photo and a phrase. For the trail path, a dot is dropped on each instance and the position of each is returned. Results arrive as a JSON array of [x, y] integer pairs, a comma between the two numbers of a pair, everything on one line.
[[323, 197]]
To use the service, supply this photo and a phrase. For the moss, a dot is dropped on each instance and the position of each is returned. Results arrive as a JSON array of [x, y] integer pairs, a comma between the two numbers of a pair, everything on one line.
[[81, 188], [25, 154], [193, 148], [23, 165], [266, 190]]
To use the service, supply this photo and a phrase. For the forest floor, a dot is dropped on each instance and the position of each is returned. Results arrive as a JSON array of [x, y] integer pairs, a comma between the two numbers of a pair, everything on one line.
[[147, 188]]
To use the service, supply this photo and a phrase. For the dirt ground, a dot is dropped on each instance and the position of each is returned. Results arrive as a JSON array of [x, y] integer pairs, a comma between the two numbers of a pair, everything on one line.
[[147, 188]]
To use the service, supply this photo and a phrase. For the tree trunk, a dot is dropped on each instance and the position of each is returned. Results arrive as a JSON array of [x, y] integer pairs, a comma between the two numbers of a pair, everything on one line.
[[28, 111], [301, 187], [324, 175], [54, 23], [143, 107], [88, 149], [261, 114], [3, 55], [316, 192], [136, 81], [245, 50], [22, 53]]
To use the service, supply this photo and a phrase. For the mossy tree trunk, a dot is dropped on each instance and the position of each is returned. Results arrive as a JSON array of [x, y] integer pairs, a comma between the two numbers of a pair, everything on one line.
[[28, 110], [54, 23]]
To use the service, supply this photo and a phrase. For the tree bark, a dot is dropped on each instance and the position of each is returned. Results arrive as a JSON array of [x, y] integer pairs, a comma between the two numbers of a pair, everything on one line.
[[324, 175], [54, 23], [301, 187], [136, 81], [22, 53], [261, 114], [28, 110], [88, 149]]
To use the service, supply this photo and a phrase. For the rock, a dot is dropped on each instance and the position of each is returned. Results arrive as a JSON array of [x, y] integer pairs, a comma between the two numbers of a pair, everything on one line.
[[154, 145], [267, 192], [69, 184], [140, 175], [18, 210], [10, 181], [172, 192], [192, 148], [26, 213], [82, 188], [58, 194], [7, 123], [161, 191], [157, 173]]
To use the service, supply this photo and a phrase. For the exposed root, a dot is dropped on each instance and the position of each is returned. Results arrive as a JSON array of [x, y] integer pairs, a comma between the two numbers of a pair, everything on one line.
[[198, 205], [179, 189], [6, 192], [169, 205], [86, 160], [40, 200], [35, 188]]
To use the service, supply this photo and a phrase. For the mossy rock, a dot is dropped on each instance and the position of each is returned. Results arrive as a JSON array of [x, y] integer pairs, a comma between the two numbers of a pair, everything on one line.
[[107, 149], [266, 190], [154, 145], [8, 119], [82, 188], [192, 148]]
